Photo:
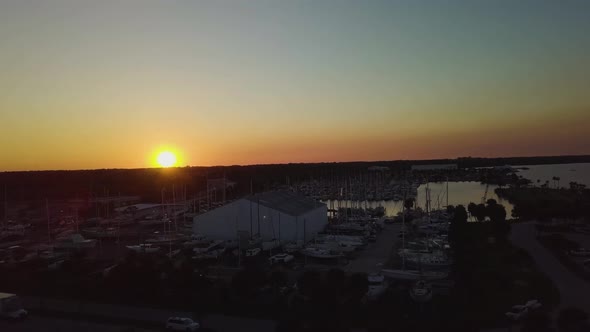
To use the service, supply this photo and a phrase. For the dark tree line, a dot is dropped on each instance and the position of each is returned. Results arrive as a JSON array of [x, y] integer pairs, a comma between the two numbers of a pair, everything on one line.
[[544, 203]]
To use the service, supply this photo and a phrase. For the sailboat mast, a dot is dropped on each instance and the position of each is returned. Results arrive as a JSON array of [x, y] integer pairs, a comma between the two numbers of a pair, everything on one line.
[[5, 205], [404, 230], [47, 212], [447, 191], [258, 214]]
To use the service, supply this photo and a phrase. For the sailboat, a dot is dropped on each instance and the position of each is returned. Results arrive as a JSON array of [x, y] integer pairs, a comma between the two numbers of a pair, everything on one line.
[[403, 273], [75, 241], [413, 274], [429, 260], [144, 248], [312, 251]]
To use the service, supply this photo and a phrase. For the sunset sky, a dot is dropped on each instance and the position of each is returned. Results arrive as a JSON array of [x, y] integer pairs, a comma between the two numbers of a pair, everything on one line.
[[105, 84]]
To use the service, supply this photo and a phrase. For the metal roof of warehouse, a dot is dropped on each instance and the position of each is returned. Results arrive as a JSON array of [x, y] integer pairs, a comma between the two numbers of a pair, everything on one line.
[[288, 202]]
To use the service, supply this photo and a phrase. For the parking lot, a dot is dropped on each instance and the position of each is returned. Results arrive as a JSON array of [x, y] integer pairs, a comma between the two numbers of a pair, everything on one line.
[[367, 260]]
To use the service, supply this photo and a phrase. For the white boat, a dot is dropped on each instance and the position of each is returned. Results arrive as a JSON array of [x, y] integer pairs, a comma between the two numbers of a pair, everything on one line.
[[253, 252], [581, 252], [216, 253], [292, 247], [281, 258], [316, 252], [173, 253], [337, 246], [144, 248], [116, 221], [50, 255], [413, 274], [377, 286], [255, 241], [337, 237], [408, 251], [213, 254], [100, 232], [166, 238], [56, 264], [205, 247], [75, 241], [427, 260], [151, 222], [231, 244], [272, 244], [421, 292], [196, 239]]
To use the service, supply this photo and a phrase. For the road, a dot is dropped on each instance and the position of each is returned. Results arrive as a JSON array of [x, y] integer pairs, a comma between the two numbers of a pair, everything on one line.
[[146, 316], [574, 291], [375, 253], [50, 324]]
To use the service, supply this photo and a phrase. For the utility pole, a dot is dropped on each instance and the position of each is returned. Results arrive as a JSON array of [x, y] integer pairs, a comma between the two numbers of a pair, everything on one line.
[[47, 213], [5, 205], [447, 191]]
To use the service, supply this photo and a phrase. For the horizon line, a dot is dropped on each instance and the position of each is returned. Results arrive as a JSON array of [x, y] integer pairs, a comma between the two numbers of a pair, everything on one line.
[[291, 163]]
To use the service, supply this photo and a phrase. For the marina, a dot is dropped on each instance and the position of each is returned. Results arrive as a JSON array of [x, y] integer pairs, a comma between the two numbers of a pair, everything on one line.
[[400, 248]]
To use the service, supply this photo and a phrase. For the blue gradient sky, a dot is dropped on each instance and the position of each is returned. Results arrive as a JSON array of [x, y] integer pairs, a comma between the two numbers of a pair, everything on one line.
[[93, 84]]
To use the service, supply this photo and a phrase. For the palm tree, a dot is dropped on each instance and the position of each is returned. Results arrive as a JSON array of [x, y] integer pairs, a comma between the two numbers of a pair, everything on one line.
[[472, 208], [556, 180]]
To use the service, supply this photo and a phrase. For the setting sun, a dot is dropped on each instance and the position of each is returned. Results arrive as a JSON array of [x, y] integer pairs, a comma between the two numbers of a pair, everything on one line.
[[166, 159]]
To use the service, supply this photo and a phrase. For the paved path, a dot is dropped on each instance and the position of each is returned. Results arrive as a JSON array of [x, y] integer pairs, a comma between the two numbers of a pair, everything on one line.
[[375, 253], [50, 324], [151, 316], [574, 291]]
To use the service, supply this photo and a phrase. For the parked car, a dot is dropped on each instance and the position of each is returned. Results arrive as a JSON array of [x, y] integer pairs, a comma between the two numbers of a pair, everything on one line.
[[181, 324], [517, 312], [281, 258], [253, 252], [533, 304], [581, 252]]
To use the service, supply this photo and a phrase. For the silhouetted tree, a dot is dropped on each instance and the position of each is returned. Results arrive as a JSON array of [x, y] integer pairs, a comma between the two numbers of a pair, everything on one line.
[[472, 207], [460, 215], [496, 212], [457, 229], [451, 210], [409, 203], [480, 212], [556, 181]]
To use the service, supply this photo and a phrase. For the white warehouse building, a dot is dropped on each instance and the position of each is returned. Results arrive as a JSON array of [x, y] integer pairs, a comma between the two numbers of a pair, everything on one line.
[[282, 215]]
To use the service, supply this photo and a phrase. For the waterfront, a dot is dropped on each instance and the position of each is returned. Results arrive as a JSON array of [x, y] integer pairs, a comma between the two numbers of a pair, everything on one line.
[[567, 173], [463, 192]]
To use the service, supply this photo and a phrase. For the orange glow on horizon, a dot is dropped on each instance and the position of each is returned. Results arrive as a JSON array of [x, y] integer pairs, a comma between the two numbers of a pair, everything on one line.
[[166, 157]]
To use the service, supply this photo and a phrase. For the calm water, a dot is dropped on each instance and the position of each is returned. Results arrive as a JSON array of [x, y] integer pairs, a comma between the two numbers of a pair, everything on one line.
[[459, 193], [567, 172], [466, 192]]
